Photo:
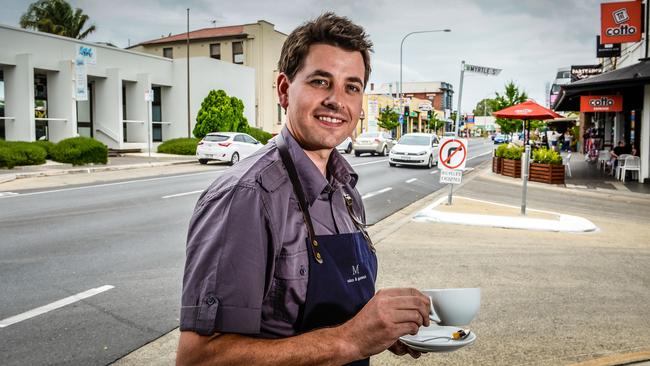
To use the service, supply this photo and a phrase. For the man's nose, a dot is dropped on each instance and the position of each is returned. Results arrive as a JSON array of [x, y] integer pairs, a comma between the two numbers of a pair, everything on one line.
[[334, 100]]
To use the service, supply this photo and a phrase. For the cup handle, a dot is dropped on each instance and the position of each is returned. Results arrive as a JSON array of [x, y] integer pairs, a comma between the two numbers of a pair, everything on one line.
[[432, 312]]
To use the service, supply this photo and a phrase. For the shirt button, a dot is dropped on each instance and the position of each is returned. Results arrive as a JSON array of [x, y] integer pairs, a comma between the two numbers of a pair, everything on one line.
[[210, 300], [302, 270]]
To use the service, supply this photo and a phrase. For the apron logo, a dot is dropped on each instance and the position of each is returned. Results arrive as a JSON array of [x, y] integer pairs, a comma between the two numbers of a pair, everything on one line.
[[355, 270]]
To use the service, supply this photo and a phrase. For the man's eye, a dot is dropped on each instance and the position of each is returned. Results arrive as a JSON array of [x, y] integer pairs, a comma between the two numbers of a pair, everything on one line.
[[319, 82], [354, 88]]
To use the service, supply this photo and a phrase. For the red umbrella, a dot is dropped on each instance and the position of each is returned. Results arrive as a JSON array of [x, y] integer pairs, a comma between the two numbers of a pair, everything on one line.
[[527, 110]]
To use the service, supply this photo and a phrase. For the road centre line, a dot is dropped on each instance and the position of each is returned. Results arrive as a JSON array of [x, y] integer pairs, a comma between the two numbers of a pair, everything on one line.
[[110, 184], [411, 180], [183, 194], [370, 162], [372, 194], [53, 306]]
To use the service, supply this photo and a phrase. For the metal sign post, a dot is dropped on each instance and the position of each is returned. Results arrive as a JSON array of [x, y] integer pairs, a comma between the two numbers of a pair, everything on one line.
[[524, 177]]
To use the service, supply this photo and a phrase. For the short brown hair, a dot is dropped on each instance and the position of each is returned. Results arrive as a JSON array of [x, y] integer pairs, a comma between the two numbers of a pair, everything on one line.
[[328, 28]]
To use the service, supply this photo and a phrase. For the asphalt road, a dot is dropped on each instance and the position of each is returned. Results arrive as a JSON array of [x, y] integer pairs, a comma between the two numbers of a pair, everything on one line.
[[90, 273]]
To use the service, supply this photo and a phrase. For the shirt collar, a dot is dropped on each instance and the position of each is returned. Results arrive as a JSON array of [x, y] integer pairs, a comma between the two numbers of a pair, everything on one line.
[[313, 182]]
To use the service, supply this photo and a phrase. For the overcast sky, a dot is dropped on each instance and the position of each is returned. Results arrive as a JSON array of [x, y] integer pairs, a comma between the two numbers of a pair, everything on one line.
[[528, 39]]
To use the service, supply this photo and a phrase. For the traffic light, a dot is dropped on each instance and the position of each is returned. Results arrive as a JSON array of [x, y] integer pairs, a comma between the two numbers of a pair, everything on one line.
[[429, 115], [407, 111]]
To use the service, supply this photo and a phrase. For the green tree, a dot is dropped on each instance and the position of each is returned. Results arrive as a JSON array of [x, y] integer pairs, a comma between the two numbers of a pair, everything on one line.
[[436, 124], [388, 119], [56, 17], [219, 112], [483, 108], [511, 96]]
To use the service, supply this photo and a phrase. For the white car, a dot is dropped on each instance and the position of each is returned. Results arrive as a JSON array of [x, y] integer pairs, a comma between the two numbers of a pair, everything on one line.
[[420, 149], [346, 145], [226, 146]]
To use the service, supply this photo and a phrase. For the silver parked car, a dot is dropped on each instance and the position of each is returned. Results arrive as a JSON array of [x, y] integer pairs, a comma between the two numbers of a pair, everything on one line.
[[373, 143]]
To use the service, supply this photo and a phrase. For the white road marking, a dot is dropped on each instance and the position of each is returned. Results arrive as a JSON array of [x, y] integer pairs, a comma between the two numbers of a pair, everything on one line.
[[411, 180], [8, 194], [113, 184], [370, 162], [53, 306], [182, 194], [434, 171], [372, 194], [479, 155]]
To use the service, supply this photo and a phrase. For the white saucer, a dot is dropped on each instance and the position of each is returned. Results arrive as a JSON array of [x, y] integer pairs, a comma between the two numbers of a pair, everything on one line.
[[436, 345]]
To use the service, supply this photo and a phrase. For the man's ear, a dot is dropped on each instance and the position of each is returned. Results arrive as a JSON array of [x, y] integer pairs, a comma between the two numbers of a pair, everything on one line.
[[283, 90]]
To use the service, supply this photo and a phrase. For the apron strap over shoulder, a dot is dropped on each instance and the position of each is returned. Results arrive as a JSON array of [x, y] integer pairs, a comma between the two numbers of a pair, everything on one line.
[[300, 195]]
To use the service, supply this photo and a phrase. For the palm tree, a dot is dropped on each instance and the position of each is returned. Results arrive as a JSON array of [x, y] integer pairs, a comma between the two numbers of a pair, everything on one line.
[[56, 17]]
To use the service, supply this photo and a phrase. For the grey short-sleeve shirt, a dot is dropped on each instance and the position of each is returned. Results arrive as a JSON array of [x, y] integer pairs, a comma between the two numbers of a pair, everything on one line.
[[247, 268]]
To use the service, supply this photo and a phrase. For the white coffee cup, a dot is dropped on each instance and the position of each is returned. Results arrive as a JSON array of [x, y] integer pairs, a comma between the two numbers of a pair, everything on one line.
[[453, 306]]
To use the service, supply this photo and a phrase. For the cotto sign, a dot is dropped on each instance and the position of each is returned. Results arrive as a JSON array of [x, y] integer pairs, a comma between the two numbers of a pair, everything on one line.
[[620, 22], [601, 103]]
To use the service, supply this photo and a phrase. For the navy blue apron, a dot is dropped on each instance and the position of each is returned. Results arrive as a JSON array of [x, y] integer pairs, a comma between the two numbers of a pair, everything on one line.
[[342, 267]]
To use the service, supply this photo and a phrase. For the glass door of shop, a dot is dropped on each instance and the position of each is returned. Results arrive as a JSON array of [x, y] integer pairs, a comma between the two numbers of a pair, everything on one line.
[[85, 114], [40, 106]]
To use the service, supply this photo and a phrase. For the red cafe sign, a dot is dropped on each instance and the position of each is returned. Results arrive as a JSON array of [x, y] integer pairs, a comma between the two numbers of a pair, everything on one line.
[[601, 103], [620, 22]]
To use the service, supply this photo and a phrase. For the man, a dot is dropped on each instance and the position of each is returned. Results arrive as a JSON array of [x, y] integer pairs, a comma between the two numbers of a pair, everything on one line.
[[615, 154], [279, 269]]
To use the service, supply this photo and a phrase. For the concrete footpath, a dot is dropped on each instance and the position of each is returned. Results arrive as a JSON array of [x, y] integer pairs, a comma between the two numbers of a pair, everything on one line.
[[548, 297]]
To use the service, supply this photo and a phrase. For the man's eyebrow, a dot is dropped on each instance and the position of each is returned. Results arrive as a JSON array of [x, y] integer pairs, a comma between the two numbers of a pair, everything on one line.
[[327, 74]]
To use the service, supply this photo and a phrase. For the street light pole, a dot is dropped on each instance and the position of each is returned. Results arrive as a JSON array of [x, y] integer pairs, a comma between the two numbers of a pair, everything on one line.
[[401, 49]]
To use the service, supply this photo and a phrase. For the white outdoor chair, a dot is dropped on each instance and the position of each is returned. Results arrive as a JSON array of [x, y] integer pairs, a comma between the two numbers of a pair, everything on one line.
[[620, 163], [632, 163], [566, 161], [603, 158]]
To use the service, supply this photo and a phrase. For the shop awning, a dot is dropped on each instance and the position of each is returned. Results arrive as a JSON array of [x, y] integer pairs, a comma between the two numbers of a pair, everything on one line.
[[615, 82]]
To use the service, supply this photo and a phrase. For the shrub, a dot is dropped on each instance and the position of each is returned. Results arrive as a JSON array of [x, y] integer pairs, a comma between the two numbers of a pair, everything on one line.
[[509, 151], [260, 135], [80, 151], [47, 145], [219, 112], [501, 150], [546, 156], [180, 146], [14, 153]]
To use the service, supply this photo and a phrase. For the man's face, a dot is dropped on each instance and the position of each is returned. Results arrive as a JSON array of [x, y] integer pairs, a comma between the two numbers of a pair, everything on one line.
[[324, 99]]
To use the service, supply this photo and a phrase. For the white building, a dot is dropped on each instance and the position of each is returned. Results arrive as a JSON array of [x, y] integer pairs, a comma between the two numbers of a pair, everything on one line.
[[38, 85]]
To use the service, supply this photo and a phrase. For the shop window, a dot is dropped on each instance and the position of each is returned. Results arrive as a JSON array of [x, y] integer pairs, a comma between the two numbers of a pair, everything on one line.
[[238, 52], [168, 52], [215, 51], [156, 115]]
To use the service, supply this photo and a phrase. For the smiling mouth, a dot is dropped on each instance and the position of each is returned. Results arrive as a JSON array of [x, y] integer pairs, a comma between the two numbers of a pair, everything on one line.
[[333, 120]]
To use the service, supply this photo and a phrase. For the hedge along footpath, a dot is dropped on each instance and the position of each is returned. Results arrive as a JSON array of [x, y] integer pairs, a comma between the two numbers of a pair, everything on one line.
[[14, 153], [80, 151], [179, 146], [259, 134]]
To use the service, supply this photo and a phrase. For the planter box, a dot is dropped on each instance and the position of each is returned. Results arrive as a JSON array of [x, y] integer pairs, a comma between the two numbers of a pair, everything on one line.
[[511, 168], [546, 173], [497, 164]]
